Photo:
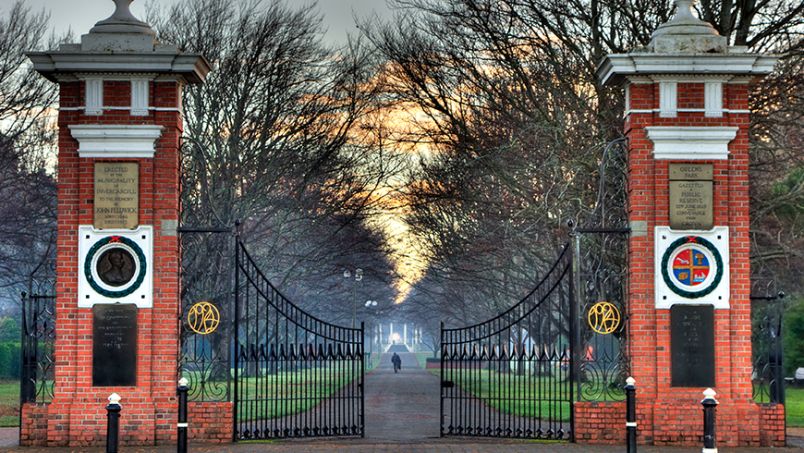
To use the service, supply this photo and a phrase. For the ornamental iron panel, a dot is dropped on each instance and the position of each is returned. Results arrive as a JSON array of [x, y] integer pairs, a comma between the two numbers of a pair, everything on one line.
[[294, 375], [208, 256], [38, 348], [511, 376], [601, 272], [767, 313]]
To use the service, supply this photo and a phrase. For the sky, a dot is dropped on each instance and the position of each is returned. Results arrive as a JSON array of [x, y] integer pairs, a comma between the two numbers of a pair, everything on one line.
[[81, 15]]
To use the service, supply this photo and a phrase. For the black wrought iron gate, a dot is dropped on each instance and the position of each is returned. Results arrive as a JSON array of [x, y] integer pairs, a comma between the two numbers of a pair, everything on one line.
[[511, 376], [294, 374]]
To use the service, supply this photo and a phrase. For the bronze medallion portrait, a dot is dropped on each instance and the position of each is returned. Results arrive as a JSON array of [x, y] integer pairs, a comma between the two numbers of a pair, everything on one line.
[[116, 266]]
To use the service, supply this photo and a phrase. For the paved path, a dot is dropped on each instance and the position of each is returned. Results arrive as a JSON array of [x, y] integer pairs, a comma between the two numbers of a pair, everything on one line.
[[401, 406]]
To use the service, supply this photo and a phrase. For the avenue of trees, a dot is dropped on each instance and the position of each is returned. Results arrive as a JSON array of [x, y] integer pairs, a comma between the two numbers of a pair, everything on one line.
[[273, 141], [479, 122], [506, 96]]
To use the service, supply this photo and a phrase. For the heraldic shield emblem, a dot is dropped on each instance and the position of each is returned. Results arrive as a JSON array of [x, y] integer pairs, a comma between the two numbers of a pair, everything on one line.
[[692, 267]]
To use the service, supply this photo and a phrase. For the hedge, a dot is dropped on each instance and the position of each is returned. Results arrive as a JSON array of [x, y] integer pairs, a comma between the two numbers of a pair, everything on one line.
[[10, 360]]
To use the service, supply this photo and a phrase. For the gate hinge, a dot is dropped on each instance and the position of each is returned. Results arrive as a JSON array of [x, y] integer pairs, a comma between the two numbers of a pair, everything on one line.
[[447, 384]]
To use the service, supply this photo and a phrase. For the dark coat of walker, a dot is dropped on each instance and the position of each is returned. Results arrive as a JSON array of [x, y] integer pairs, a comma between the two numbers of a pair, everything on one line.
[[397, 361]]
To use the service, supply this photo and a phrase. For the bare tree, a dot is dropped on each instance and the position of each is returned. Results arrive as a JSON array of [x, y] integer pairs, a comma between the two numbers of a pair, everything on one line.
[[505, 94], [272, 141], [27, 186]]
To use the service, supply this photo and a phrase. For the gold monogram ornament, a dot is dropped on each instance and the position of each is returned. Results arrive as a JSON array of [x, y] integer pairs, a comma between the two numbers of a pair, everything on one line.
[[604, 318], [203, 318]]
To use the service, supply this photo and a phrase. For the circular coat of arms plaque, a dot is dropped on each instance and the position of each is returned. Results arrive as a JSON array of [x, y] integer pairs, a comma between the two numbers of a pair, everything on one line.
[[692, 267]]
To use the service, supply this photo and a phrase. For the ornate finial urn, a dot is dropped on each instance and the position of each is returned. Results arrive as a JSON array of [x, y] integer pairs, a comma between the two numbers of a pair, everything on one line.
[[120, 33], [122, 21], [686, 33]]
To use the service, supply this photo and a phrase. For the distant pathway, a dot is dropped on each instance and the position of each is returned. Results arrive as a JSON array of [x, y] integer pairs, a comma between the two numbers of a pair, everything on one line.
[[402, 406]]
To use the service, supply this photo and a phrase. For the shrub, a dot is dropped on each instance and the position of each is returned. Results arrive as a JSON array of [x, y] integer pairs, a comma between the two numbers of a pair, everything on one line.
[[793, 337], [10, 360]]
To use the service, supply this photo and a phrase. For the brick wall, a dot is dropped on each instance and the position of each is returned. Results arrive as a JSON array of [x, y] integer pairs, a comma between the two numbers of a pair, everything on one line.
[[211, 422], [673, 415], [600, 422], [76, 414], [33, 430], [771, 419]]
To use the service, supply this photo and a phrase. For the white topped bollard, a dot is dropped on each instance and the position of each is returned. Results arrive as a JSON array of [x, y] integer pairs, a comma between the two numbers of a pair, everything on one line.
[[630, 414], [709, 404], [113, 423], [182, 390]]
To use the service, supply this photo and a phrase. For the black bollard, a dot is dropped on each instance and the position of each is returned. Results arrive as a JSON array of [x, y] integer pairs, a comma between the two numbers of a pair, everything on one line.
[[181, 444], [709, 404], [630, 415], [113, 423]]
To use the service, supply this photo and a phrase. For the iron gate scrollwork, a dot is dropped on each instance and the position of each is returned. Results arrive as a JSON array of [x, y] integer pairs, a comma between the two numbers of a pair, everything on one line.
[[294, 375], [207, 277], [600, 257], [601, 272], [38, 348], [767, 315], [511, 376]]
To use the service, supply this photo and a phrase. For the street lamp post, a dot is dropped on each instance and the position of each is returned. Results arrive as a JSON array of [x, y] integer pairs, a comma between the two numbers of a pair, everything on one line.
[[358, 278], [371, 304]]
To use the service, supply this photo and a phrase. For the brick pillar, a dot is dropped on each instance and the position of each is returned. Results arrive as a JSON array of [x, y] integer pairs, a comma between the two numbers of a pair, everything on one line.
[[687, 103], [120, 102]]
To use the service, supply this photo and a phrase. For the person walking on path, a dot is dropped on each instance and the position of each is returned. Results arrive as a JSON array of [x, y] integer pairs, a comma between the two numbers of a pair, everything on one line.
[[397, 361]]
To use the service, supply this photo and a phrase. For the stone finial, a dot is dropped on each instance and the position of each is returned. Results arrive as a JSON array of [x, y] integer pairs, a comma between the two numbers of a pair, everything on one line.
[[686, 33], [122, 21]]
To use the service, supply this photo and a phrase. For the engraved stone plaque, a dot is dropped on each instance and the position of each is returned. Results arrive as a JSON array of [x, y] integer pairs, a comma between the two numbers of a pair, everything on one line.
[[692, 345], [691, 172], [691, 197], [116, 195], [114, 345]]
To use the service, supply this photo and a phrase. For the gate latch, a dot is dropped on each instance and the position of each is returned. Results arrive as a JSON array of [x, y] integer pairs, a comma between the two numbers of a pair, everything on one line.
[[447, 384]]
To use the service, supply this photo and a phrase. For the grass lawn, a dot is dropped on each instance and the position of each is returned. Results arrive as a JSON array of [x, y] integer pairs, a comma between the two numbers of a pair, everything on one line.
[[9, 403], [287, 393], [527, 396], [794, 407]]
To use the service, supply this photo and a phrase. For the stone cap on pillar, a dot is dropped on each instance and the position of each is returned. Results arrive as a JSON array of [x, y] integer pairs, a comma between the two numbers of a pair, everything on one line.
[[685, 45], [119, 44]]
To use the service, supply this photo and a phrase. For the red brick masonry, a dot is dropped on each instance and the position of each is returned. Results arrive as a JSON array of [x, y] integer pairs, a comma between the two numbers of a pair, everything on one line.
[[33, 431], [603, 423], [771, 417], [600, 423], [77, 417], [211, 422], [672, 415]]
